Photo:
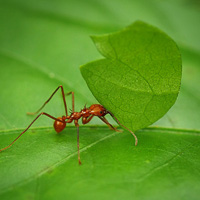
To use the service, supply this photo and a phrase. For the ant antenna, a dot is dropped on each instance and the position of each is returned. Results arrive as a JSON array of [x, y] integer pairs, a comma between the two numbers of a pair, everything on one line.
[[136, 140]]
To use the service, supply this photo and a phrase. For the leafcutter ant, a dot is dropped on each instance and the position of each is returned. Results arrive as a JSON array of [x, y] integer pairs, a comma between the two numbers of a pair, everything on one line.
[[86, 114]]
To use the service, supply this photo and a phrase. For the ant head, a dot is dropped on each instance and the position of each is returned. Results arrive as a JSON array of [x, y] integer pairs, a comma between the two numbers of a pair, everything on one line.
[[98, 110]]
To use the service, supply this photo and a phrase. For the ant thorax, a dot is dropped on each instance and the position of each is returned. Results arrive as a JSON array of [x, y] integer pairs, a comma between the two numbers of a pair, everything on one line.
[[75, 115], [85, 112]]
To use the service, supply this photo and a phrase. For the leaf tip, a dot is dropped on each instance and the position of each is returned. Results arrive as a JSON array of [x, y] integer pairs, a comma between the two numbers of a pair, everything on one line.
[[94, 38]]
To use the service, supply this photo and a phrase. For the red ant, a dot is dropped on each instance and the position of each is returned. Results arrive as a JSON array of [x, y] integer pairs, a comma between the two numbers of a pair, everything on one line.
[[86, 113]]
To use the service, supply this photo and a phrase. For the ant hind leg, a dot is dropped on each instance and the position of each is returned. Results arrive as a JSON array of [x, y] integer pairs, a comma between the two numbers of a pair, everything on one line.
[[63, 95], [43, 113]]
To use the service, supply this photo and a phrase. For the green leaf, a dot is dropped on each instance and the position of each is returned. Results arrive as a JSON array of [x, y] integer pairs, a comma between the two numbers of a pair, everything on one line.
[[166, 162], [42, 45], [139, 79]]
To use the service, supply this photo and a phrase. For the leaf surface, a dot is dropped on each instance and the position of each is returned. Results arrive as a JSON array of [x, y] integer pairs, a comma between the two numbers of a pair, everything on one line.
[[112, 167]]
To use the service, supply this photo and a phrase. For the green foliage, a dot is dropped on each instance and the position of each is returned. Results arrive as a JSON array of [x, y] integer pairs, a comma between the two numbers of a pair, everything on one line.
[[165, 163], [42, 45], [140, 78]]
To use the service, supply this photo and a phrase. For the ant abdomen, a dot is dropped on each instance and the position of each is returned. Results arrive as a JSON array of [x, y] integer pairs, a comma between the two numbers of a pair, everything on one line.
[[58, 125]]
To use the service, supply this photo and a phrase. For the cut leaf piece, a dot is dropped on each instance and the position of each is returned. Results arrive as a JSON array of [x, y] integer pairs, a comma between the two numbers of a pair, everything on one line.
[[139, 79]]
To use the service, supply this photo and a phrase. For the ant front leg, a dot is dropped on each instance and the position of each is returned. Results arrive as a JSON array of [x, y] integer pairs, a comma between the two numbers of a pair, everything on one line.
[[43, 113], [136, 140], [64, 101], [109, 125], [86, 120]]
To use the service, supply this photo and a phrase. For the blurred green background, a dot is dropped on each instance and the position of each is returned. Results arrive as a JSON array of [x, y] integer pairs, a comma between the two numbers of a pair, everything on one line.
[[42, 45]]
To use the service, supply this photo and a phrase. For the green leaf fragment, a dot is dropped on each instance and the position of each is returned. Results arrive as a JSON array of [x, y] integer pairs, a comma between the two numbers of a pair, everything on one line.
[[139, 78]]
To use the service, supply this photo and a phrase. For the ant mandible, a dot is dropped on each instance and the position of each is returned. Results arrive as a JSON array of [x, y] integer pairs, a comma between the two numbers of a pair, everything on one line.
[[86, 113]]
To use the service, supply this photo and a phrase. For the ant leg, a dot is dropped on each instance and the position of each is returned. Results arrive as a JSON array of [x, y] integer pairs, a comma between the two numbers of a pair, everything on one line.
[[63, 95], [109, 125], [43, 113], [77, 126], [85, 120], [136, 140], [72, 93]]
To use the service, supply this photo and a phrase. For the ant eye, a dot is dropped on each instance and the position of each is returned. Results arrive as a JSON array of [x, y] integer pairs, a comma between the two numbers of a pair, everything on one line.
[[101, 112]]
